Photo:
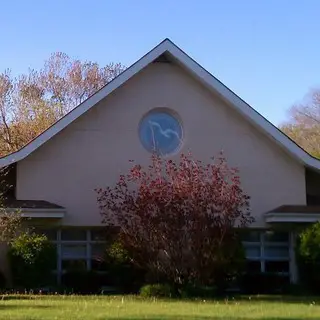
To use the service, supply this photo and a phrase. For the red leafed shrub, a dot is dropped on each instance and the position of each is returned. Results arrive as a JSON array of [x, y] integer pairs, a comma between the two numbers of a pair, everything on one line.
[[178, 219]]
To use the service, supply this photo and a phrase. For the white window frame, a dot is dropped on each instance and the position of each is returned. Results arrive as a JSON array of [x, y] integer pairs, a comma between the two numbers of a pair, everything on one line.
[[88, 242], [262, 244]]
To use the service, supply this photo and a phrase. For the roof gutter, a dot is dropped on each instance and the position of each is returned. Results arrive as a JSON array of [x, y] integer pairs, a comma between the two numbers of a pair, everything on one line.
[[42, 213]]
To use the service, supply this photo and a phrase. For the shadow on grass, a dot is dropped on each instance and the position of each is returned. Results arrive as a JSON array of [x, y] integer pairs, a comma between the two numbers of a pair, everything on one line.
[[180, 317], [20, 307], [277, 298], [17, 297], [253, 298], [7, 307]]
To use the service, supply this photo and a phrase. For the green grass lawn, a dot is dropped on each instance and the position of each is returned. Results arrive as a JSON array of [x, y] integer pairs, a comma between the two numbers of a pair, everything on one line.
[[128, 307]]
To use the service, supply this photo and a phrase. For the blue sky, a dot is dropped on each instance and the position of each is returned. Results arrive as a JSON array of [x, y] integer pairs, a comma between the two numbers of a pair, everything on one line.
[[266, 51]]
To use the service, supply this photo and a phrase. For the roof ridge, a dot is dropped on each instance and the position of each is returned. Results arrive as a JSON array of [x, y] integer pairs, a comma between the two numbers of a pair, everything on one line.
[[195, 69]]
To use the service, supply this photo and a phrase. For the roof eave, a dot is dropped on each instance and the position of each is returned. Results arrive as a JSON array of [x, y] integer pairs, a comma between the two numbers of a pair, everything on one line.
[[196, 70], [44, 213], [293, 217]]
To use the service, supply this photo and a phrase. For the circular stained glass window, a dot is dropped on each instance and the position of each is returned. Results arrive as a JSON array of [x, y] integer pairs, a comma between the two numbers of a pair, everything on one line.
[[160, 132]]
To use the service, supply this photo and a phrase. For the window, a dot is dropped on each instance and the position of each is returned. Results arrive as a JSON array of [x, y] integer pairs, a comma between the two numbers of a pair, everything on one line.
[[73, 246], [273, 236], [267, 251], [160, 132], [78, 249], [70, 251], [98, 250], [275, 252], [253, 252], [98, 235], [251, 236], [73, 235], [78, 265], [51, 234]]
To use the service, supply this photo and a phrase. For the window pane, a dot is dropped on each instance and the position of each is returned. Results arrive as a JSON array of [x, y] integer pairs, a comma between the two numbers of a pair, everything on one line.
[[98, 250], [76, 265], [277, 266], [51, 234], [276, 252], [274, 236], [253, 266], [250, 236], [104, 234], [73, 251], [252, 251], [99, 235], [154, 136], [73, 235]]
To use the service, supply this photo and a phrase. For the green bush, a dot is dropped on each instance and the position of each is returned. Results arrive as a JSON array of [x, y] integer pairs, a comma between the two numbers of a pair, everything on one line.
[[198, 292], [116, 254], [122, 273], [157, 291], [32, 258], [309, 244], [308, 257]]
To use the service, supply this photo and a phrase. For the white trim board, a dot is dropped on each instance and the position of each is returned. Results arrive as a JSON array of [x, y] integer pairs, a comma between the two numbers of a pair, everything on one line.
[[199, 73], [38, 213], [293, 217]]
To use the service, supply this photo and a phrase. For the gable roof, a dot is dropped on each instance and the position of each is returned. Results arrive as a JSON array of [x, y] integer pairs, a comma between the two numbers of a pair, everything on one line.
[[176, 55]]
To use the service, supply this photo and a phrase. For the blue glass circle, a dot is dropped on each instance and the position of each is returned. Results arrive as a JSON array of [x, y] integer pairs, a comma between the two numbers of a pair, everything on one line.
[[160, 132]]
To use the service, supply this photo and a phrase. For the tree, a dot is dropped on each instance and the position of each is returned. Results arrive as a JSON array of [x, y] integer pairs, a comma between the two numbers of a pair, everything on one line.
[[32, 258], [10, 222], [308, 256], [32, 102], [304, 123], [179, 219]]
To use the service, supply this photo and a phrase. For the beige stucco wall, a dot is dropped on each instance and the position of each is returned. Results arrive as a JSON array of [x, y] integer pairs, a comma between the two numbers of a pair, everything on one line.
[[95, 149]]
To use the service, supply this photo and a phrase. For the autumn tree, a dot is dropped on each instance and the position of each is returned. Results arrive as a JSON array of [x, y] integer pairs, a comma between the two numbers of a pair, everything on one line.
[[304, 123], [10, 221], [32, 102], [179, 218]]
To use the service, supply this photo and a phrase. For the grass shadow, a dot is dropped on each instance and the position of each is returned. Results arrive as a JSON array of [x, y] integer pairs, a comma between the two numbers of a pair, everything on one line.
[[290, 299], [17, 297], [20, 307], [184, 317], [278, 299]]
